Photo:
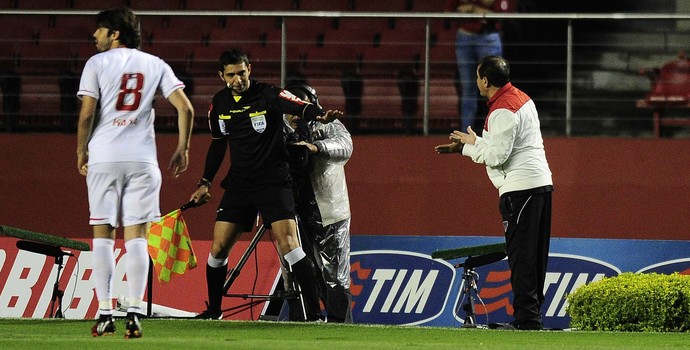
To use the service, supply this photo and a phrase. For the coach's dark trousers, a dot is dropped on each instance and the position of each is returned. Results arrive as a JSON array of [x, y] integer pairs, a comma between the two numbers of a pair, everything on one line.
[[527, 224]]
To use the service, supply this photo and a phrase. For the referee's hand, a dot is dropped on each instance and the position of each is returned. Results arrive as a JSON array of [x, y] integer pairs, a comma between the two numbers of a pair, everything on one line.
[[201, 196], [330, 116]]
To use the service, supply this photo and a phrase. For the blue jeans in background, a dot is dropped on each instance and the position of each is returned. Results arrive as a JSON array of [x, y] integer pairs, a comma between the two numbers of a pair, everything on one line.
[[469, 49]]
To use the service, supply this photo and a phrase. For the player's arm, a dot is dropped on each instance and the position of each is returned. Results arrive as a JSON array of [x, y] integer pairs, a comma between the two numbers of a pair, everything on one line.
[[87, 115], [185, 117]]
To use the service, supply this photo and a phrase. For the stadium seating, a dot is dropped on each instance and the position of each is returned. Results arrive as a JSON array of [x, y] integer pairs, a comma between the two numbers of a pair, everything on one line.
[[427, 6], [216, 5], [670, 90], [380, 6], [169, 5], [320, 5], [268, 5], [318, 48]]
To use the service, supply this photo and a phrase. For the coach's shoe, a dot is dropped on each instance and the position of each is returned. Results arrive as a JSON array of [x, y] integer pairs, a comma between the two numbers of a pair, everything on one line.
[[502, 326], [209, 314], [104, 326], [133, 327]]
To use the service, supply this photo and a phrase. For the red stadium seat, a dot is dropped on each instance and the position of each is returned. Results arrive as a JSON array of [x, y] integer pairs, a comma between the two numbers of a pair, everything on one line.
[[216, 5], [46, 58], [268, 5], [98, 6], [320, 5], [670, 90], [381, 99], [330, 60], [388, 60], [40, 102], [40, 5], [380, 6], [427, 6], [164, 5]]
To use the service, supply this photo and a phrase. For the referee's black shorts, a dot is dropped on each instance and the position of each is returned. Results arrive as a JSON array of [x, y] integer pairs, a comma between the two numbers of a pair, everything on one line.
[[274, 202]]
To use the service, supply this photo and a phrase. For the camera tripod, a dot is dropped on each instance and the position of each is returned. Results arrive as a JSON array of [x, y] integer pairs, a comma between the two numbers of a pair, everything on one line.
[[292, 291], [476, 256]]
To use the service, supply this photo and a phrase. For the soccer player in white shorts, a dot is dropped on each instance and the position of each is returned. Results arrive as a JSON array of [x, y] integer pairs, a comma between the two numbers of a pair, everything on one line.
[[117, 154]]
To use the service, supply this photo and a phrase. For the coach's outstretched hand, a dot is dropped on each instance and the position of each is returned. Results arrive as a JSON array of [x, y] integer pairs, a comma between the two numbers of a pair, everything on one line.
[[449, 148]]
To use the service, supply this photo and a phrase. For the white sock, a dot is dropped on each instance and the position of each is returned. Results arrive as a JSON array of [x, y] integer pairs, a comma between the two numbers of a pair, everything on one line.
[[294, 256], [103, 268], [137, 269], [215, 263]]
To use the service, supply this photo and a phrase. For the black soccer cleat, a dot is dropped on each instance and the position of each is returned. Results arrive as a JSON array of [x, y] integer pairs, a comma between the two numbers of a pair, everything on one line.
[[210, 315], [132, 327], [104, 326]]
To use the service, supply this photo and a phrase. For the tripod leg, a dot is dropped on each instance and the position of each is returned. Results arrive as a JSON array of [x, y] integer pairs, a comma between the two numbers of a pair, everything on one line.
[[57, 293], [234, 272], [470, 314]]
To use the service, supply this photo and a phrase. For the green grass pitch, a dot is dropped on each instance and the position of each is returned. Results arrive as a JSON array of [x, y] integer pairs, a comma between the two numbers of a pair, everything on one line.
[[197, 334]]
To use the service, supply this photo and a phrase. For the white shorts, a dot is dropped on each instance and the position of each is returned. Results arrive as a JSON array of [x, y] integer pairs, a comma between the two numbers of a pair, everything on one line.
[[125, 193]]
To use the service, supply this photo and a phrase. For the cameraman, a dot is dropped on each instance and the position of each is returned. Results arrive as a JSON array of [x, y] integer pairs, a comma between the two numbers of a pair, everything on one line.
[[318, 155]]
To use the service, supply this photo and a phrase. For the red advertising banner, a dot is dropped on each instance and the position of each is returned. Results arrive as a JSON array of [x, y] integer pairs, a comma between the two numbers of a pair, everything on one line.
[[28, 282]]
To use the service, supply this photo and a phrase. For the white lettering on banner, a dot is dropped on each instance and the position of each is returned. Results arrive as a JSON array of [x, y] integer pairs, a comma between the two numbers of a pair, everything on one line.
[[380, 276], [46, 296], [80, 290], [562, 282], [394, 290], [415, 292], [79, 294], [17, 291]]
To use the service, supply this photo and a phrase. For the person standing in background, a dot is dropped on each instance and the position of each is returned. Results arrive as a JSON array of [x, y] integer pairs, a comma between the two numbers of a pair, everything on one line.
[[476, 38], [117, 154]]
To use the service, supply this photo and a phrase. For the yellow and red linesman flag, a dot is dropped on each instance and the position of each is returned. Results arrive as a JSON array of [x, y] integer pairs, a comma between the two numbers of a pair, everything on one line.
[[170, 247]]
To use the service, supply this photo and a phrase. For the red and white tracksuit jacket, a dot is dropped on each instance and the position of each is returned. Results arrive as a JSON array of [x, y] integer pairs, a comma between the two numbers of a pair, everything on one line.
[[511, 145]]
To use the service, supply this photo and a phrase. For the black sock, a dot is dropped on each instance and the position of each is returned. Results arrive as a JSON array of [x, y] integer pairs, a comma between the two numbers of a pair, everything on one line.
[[215, 279], [338, 305], [303, 272]]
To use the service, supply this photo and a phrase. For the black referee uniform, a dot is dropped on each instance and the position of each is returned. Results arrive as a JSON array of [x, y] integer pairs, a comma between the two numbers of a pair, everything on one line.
[[259, 176], [258, 180]]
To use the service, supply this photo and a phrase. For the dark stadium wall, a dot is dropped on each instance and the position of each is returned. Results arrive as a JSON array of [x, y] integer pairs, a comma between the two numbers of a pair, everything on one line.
[[605, 188]]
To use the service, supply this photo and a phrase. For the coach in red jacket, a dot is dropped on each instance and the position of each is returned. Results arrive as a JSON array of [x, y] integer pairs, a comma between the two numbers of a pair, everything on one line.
[[512, 149]]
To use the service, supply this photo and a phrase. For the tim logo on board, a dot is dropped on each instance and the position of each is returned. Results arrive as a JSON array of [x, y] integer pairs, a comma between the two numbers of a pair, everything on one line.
[[398, 287], [565, 274]]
